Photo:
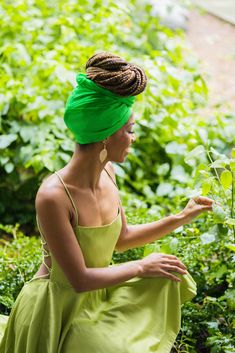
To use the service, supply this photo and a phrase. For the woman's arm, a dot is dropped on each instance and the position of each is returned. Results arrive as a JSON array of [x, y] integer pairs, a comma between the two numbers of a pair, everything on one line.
[[133, 236]]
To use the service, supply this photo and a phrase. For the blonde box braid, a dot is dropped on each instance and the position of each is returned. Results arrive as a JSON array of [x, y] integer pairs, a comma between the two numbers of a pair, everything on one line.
[[114, 73]]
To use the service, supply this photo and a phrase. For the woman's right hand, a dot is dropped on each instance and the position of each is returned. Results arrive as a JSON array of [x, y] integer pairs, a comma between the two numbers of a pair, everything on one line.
[[161, 265]]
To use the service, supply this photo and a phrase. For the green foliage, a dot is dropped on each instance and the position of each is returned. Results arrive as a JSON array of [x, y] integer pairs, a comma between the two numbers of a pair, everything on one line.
[[217, 180], [207, 248], [208, 322], [43, 46], [20, 257]]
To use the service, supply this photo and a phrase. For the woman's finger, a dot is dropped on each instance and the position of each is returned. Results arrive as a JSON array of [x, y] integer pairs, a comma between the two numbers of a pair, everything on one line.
[[176, 263], [206, 208], [175, 268], [170, 276], [168, 256], [203, 200]]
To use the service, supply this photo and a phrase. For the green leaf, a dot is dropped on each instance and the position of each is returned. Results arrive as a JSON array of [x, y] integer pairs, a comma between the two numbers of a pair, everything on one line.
[[218, 163], [4, 160], [213, 324], [194, 154], [64, 156], [164, 189], [230, 247], [207, 238], [232, 164], [9, 167], [206, 187], [175, 148], [226, 179], [216, 153], [197, 151], [27, 133], [219, 213], [219, 271], [163, 169], [230, 221], [230, 296], [233, 153], [178, 173], [6, 140]]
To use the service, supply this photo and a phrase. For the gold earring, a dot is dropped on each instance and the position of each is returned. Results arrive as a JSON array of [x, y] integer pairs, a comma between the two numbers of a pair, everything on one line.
[[103, 154]]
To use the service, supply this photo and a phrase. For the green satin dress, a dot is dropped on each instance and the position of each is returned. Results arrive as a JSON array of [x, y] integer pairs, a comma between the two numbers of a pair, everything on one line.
[[141, 315]]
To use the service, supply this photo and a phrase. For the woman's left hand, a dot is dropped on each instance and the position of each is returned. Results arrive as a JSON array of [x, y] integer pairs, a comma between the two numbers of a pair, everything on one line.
[[196, 206]]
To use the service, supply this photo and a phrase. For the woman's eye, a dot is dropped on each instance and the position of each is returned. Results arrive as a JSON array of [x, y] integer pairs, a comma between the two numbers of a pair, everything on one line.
[[131, 132]]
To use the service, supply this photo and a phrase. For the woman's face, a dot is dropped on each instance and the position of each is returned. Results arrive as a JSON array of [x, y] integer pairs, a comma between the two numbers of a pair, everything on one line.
[[119, 142]]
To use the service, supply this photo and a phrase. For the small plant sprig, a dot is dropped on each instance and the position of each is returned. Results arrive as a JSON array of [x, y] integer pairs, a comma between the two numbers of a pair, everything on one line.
[[217, 179]]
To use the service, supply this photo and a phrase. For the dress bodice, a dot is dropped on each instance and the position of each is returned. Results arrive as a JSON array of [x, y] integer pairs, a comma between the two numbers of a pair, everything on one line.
[[97, 244]]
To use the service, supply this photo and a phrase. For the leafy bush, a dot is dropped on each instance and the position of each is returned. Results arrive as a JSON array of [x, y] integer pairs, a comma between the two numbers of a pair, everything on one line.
[[208, 323], [218, 181], [41, 50], [20, 257], [207, 248]]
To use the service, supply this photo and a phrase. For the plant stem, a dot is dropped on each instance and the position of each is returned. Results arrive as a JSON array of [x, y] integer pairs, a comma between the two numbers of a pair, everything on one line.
[[217, 175], [232, 195], [233, 181]]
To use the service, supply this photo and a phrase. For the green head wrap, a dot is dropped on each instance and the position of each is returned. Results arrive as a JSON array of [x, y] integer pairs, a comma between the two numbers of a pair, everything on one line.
[[93, 113]]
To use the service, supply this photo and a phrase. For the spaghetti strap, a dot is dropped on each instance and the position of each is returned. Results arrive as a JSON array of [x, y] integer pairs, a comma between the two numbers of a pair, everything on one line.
[[111, 178], [70, 197], [46, 253], [119, 208]]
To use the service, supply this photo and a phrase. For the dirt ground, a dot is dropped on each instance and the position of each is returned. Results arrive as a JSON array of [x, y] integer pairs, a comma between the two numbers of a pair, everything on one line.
[[213, 41]]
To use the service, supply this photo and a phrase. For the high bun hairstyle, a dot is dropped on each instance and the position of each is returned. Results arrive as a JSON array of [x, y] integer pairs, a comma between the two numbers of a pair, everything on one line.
[[114, 73]]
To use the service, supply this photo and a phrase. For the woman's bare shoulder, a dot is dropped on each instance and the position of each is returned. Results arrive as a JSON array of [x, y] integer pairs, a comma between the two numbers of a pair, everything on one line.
[[51, 202], [50, 191]]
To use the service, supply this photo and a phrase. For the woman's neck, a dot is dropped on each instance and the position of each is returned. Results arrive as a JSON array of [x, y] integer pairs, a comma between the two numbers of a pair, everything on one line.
[[84, 169]]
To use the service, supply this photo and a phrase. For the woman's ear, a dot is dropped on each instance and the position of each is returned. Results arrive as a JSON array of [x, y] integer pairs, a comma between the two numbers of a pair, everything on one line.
[[107, 140]]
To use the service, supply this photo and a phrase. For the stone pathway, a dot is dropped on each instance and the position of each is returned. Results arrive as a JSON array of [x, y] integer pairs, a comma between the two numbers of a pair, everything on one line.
[[224, 9], [213, 41]]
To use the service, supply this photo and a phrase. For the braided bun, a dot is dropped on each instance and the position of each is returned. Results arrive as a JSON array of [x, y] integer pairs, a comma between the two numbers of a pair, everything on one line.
[[114, 73]]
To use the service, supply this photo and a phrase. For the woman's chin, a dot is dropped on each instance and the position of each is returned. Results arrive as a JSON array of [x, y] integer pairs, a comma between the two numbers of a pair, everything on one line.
[[125, 154], [121, 158]]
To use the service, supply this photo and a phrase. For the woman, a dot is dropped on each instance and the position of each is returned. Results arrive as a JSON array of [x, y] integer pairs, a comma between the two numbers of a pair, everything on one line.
[[77, 302]]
